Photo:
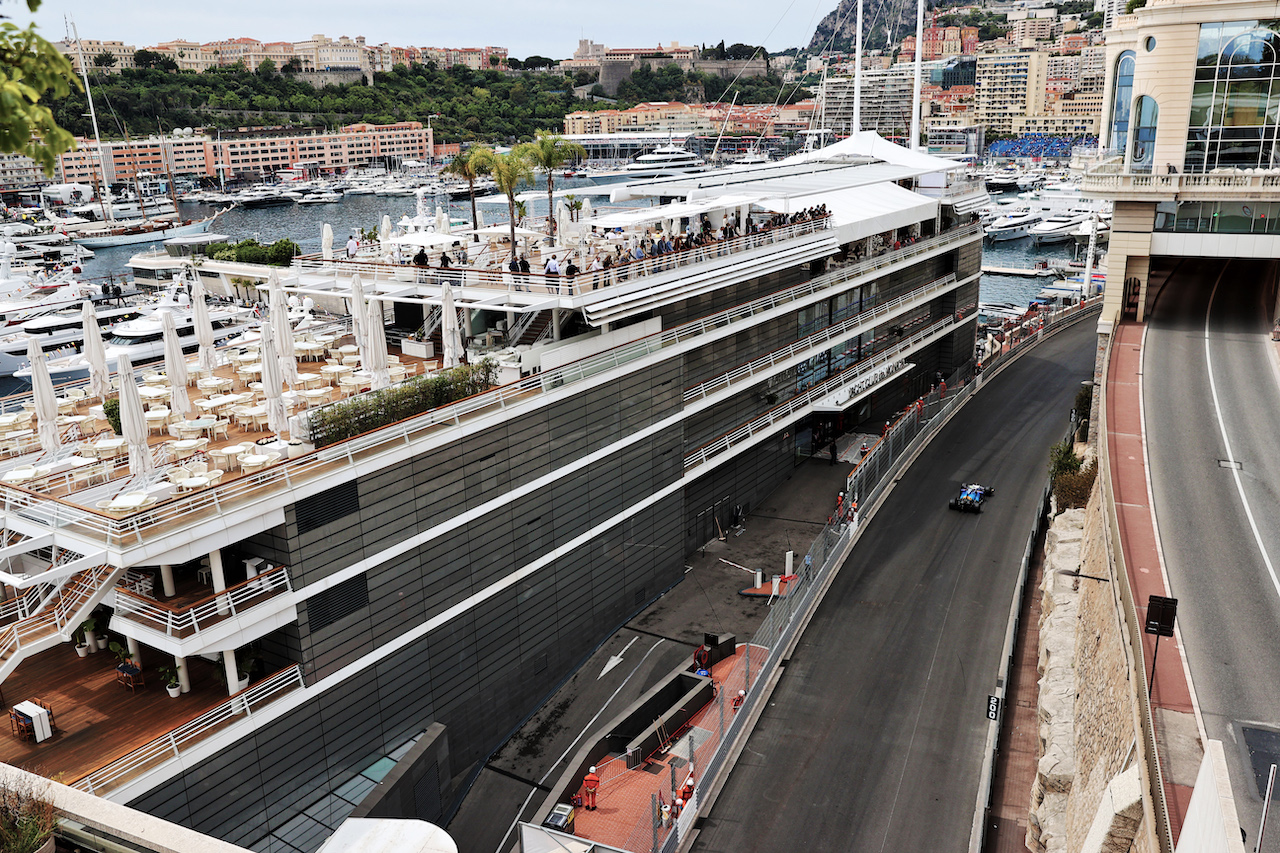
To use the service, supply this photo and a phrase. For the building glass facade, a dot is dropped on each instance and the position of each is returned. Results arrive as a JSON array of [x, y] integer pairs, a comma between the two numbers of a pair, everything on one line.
[[1236, 100], [1219, 217]]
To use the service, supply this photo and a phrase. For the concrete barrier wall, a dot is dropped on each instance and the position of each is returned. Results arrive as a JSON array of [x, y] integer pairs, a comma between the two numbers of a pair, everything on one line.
[[1211, 825]]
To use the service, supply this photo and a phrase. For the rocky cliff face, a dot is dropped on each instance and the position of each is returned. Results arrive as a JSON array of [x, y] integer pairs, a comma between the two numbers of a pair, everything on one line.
[[884, 23]]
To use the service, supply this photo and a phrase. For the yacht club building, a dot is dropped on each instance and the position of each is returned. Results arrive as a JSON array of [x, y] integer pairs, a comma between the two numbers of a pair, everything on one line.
[[405, 590]]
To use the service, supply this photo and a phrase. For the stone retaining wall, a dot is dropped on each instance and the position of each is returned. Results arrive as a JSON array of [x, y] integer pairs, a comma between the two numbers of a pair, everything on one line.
[[1089, 789]]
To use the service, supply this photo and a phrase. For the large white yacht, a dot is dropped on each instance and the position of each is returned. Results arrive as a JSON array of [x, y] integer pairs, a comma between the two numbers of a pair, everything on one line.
[[142, 339], [665, 160], [60, 334], [1057, 228], [1012, 227]]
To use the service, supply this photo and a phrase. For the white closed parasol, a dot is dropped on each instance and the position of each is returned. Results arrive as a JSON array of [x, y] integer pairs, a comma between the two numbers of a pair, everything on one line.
[[175, 365]]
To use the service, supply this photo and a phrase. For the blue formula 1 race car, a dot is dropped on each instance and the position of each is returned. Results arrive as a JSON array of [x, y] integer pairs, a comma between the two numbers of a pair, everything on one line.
[[971, 497]]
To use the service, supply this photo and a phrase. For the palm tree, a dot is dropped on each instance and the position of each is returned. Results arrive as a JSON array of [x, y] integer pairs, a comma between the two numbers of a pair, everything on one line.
[[549, 152], [508, 170], [471, 165]]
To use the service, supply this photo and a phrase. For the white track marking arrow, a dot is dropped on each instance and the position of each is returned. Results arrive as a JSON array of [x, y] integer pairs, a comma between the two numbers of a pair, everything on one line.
[[616, 659]]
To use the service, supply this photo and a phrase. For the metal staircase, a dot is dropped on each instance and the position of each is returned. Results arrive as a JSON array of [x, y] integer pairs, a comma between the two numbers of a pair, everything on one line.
[[62, 606]]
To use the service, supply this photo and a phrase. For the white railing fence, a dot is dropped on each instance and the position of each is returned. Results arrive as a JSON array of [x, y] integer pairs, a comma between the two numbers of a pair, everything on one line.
[[172, 744]]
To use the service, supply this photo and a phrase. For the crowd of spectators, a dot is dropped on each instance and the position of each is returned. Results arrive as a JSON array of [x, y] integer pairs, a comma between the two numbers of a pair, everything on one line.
[[1039, 145], [610, 256]]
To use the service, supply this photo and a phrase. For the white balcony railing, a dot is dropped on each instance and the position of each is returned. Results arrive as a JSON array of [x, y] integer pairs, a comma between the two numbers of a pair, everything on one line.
[[561, 285], [189, 621], [819, 340], [172, 745], [1108, 179]]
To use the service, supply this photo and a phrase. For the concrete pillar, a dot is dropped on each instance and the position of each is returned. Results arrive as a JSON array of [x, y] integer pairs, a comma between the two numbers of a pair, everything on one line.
[[184, 674], [555, 324], [219, 578], [232, 671], [1139, 268], [135, 651], [166, 580]]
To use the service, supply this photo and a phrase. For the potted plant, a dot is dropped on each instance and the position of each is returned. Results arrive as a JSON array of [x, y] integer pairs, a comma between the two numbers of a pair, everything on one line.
[[111, 409], [27, 818], [244, 669], [171, 683], [82, 643], [125, 658]]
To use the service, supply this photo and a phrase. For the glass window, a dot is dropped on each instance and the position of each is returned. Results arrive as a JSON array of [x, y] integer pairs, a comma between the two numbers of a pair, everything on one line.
[[1122, 93], [1144, 142], [1201, 102]]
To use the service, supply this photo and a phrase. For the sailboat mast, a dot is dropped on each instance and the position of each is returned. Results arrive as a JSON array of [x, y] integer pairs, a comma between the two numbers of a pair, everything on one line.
[[93, 116], [133, 158], [716, 151], [915, 88], [857, 73]]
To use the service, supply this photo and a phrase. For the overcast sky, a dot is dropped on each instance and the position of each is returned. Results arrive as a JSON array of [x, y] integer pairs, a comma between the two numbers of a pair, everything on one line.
[[548, 27]]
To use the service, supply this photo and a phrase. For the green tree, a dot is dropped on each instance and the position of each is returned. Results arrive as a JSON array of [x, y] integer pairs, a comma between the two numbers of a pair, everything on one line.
[[104, 60], [549, 152], [266, 68], [509, 171], [291, 66], [30, 67], [471, 164]]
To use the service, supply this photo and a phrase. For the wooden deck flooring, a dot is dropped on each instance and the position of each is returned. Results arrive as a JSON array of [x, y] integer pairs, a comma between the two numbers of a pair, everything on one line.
[[99, 720]]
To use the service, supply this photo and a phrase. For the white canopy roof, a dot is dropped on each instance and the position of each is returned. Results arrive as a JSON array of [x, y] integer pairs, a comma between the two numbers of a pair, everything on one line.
[[540, 195], [868, 143], [641, 215], [859, 212]]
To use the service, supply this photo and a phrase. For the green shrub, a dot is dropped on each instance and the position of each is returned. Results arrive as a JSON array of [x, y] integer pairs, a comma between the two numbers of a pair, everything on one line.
[[282, 252], [1084, 402], [1063, 460], [360, 414], [250, 252], [111, 408]]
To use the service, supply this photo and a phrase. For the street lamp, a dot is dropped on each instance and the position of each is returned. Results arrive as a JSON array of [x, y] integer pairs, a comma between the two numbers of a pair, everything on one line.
[[431, 142]]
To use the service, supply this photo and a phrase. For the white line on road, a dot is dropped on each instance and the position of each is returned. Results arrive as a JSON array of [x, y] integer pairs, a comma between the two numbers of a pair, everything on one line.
[[1222, 428]]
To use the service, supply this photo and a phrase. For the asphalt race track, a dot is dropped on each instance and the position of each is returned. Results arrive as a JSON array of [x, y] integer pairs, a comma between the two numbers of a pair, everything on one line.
[[1228, 600], [873, 738]]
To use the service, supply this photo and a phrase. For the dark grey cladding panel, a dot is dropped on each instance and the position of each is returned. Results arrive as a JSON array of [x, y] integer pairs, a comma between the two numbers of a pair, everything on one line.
[[478, 674], [317, 511]]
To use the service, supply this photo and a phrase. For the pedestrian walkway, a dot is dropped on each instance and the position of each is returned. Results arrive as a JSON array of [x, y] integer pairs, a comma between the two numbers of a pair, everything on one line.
[[1170, 691]]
